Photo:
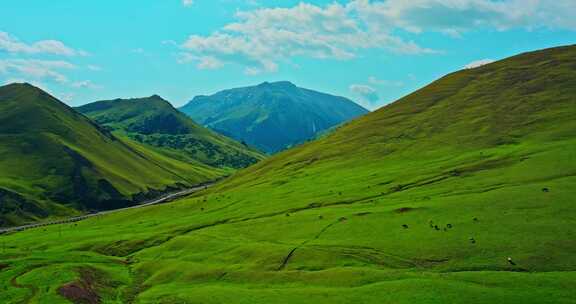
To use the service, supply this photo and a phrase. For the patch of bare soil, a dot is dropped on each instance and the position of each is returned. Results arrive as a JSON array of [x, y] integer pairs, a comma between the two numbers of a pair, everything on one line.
[[82, 291]]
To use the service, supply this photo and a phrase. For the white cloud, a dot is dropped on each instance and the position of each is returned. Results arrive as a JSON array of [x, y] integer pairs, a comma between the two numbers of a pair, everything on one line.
[[456, 16], [478, 63], [187, 3], [42, 73], [252, 71], [368, 94], [88, 84], [202, 62], [209, 63], [11, 44], [81, 84], [35, 69], [263, 38], [65, 97], [362, 89]]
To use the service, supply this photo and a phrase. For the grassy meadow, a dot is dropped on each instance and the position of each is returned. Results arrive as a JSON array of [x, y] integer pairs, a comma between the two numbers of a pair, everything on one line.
[[462, 192]]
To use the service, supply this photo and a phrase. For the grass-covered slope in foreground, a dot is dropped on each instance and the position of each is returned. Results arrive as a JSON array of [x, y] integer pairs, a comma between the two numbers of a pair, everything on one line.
[[153, 121], [54, 161], [422, 201]]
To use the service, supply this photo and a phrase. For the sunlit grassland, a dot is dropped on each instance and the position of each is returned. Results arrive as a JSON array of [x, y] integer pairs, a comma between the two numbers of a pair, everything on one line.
[[424, 201]]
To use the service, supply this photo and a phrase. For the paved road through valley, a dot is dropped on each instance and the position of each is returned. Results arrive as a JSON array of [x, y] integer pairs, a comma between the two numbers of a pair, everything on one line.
[[158, 200]]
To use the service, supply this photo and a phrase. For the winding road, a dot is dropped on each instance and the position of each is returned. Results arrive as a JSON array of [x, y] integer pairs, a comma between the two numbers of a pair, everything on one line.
[[158, 200]]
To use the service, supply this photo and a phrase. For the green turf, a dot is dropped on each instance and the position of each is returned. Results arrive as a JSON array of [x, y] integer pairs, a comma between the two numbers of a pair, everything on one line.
[[323, 223]]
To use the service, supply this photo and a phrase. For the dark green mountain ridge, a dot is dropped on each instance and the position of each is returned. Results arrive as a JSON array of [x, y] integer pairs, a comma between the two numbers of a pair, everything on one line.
[[153, 121], [55, 161]]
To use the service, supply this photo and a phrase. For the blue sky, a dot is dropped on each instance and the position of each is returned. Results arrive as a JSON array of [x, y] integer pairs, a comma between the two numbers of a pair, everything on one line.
[[370, 51]]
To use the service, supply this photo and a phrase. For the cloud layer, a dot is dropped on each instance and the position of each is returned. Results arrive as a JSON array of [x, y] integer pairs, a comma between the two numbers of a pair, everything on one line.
[[260, 40], [478, 63], [187, 3], [13, 45], [368, 94], [35, 69], [42, 63]]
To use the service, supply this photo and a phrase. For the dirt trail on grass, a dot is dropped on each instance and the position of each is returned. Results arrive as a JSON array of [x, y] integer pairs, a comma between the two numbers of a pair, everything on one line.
[[291, 253]]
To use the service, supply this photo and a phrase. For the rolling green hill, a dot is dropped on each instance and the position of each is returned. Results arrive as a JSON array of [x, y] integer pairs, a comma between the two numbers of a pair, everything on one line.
[[153, 121], [462, 192], [272, 116], [54, 161]]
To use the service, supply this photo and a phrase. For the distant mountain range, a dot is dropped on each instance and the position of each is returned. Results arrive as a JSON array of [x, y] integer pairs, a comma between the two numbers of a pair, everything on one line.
[[272, 116], [55, 161], [153, 121]]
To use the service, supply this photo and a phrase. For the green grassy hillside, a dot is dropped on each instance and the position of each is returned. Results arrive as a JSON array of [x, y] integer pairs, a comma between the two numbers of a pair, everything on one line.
[[54, 161], [272, 116], [462, 192], [153, 121]]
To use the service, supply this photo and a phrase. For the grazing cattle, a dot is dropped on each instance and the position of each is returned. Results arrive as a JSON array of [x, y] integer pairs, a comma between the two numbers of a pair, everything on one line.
[[510, 261], [436, 227], [475, 219], [449, 225], [405, 226], [545, 190], [472, 240]]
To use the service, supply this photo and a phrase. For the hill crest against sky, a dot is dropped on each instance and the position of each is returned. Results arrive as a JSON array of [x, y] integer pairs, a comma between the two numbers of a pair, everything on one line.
[[272, 116], [154, 121], [56, 161]]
